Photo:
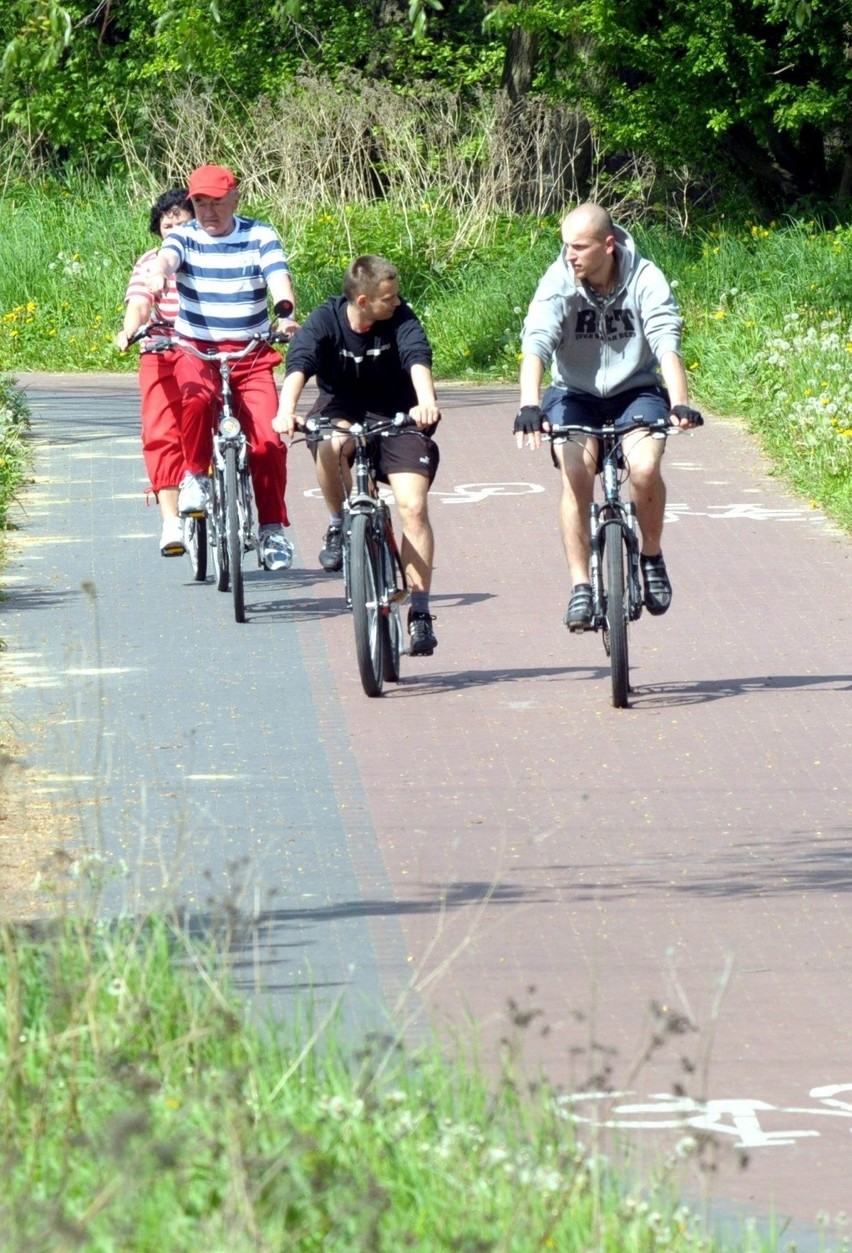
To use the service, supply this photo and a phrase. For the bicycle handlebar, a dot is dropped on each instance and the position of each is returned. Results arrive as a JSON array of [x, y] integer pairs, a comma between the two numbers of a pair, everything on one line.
[[658, 426], [169, 338], [313, 425]]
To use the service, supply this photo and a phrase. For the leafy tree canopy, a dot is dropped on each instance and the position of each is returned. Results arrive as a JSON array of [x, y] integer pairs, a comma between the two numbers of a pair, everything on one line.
[[762, 88], [765, 85]]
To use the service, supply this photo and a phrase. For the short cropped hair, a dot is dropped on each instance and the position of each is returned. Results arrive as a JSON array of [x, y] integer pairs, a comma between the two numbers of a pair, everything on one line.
[[364, 274], [174, 198]]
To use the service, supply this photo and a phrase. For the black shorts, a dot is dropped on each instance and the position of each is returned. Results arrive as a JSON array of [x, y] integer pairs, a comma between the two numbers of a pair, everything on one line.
[[392, 452]]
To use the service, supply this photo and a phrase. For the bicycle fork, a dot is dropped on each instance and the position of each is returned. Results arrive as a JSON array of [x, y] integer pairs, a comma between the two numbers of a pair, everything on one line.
[[382, 529], [621, 519]]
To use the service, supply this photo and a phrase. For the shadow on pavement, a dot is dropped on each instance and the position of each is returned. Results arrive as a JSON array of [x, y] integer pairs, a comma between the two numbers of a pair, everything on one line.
[[799, 862], [659, 694]]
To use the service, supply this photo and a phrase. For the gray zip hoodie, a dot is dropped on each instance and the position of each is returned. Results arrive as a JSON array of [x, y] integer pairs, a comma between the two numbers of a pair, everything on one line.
[[603, 345]]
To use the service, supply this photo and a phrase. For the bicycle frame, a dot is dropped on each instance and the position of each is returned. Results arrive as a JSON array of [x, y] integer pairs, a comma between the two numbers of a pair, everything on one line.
[[613, 545], [373, 577], [230, 512]]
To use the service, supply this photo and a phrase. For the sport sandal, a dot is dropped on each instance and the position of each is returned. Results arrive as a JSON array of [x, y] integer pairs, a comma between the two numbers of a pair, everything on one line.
[[578, 615], [658, 589]]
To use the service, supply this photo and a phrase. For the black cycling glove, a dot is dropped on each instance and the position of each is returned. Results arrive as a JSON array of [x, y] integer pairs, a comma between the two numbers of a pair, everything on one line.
[[528, 420], [683, 412]]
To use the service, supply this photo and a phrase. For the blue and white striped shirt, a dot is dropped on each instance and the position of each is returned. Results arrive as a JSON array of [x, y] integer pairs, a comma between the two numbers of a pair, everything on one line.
[[222, 279]]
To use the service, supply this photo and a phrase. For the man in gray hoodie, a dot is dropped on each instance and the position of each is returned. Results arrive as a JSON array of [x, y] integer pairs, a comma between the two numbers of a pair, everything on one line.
[[605, 322]]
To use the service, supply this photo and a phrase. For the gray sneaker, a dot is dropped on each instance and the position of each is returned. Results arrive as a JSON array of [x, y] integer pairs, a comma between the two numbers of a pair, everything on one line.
[[276, 551]]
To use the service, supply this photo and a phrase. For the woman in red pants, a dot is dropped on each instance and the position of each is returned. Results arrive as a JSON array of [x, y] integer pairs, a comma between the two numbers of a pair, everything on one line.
[[161, 404]]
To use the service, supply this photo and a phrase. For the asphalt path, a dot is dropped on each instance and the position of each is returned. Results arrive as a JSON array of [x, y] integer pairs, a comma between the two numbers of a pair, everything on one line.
[[652, 902]]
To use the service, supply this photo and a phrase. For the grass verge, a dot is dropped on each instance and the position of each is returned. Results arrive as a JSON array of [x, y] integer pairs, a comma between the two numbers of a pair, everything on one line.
[[143, 1109], [15, 453], [768, 310]]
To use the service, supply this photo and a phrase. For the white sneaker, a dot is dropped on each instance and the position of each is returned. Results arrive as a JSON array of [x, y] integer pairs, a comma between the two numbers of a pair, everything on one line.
[[194, 495], [276, 551], [171, 541]]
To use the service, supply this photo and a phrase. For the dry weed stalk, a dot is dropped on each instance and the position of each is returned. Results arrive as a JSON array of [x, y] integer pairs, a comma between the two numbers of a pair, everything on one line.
[[324, 145]]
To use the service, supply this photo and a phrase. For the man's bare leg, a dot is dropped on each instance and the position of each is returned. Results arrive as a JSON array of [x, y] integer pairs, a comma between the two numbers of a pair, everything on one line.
[[578, 485], [417, 552], [644, 455], [417, 549], [648, 491]]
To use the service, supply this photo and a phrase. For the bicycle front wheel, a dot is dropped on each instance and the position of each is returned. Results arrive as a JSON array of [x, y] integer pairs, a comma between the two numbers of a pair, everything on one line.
[[394, 639], [616, 615], [235, 543], [365, 579], [219, 533]]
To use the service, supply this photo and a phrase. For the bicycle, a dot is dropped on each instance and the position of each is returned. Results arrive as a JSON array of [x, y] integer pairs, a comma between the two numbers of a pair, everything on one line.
[[614, 545], [228, 523], [374, 580]]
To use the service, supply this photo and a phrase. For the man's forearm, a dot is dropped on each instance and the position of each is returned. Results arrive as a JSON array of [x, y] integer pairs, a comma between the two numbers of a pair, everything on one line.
[[280, 287], [674, 377], [424, 385], [291, 390], [532, 373]]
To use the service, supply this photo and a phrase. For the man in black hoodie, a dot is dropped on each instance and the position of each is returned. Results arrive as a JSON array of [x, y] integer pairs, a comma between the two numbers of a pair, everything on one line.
[[370, 355]]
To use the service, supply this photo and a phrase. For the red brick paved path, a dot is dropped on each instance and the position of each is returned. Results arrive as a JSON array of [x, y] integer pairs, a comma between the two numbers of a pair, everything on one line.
[[692, 851]]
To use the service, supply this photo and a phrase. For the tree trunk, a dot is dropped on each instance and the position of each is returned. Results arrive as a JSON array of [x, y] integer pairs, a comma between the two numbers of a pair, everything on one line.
[[519, 65]]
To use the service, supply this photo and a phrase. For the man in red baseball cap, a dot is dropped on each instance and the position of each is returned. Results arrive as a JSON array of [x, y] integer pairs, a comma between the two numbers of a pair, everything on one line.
[[228, 268], [211, 180]]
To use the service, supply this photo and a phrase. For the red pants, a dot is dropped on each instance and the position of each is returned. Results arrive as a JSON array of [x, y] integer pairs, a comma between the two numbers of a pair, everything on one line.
[[255, 404], [161, 407]]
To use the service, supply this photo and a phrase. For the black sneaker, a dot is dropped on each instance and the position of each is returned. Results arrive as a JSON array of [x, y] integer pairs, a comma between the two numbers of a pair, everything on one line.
[[578, 615], [658, 588], [422, 642], [331, 553]]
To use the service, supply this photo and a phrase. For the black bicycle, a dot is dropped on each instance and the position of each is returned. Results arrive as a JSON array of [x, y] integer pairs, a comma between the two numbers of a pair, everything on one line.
[[228, 523], [614, 545], [374, 580]]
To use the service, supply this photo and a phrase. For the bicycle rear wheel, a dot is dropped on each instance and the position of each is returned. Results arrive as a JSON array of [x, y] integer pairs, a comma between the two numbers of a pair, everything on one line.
[[616, 615], [235, 543], [365, 577], [195, 533]]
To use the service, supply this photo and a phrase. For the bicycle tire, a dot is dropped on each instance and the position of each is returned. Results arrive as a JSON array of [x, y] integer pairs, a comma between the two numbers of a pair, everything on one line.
[[394, 641], [616, 616], [365, 578], [195, 530], [218, 533], [234, 539]]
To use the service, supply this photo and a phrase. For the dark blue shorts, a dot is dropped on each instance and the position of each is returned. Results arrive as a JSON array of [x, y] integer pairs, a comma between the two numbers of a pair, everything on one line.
[[641, 406]]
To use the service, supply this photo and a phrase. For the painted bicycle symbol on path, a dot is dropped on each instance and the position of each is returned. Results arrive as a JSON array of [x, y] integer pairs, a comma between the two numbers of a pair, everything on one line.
[[464, 493], [477, 493], [738, 1118]]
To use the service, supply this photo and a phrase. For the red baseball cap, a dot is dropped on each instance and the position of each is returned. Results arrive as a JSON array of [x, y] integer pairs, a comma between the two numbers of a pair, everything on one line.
[[211, 180]]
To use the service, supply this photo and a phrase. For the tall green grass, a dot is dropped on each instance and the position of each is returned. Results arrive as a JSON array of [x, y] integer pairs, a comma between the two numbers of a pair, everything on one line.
[[143, 1110], [15, 451], [769, 337], [768, 310]]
